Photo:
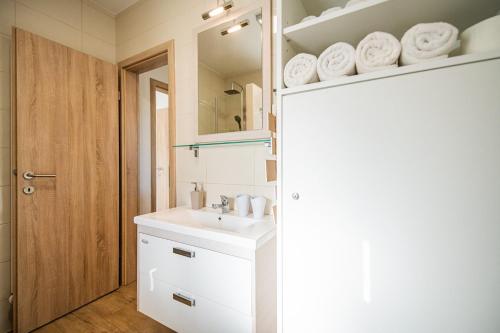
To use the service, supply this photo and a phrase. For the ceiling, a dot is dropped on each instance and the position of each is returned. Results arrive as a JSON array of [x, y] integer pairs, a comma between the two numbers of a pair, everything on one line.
[[114, 7], [233, 54]]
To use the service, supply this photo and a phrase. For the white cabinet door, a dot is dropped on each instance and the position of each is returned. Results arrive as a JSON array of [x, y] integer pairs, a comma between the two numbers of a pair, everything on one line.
[[397, 224]]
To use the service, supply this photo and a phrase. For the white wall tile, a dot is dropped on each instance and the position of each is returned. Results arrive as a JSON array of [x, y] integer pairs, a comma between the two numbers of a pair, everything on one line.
[[7, 10], [4, 204], [46, 26], [98, 48], [67, 11], [214, 191], [4, 128], [230, 165], [190, 168], [131, 23], [5, 324], [4, 53], [4, 280], [4, 91], [268, 192], [98, 24], [4, 166], [185, 128], [4, 242], [184, 190]]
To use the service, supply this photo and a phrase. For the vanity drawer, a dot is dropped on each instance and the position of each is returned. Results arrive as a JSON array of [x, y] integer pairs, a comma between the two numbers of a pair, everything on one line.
[[221, 278], [185, 312]]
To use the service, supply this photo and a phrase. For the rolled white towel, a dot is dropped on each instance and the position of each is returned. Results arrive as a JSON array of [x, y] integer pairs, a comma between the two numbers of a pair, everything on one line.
[[354, 2], [308, 18], [330, 10], [426, 41], [301, 70], [337, 60], [377, 51]]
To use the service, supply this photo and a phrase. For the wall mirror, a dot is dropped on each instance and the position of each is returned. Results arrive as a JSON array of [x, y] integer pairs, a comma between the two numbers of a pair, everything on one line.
[[233, 77]]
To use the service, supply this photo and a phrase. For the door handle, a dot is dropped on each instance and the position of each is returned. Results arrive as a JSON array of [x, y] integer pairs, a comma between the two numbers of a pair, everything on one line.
[[28, 175]]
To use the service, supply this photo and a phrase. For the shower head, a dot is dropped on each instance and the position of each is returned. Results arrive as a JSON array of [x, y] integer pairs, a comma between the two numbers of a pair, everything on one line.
[[234, 90]]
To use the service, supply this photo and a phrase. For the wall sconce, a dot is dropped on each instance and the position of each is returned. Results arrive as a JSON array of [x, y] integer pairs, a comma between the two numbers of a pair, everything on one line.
[[226, 5], [235, 28]]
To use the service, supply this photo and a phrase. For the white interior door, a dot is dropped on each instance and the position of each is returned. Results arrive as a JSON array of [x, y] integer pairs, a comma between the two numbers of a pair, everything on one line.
[[162, 152], [397, 224]]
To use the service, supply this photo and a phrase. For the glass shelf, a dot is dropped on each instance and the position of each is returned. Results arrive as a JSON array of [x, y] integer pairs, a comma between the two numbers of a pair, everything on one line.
[[223, 143]]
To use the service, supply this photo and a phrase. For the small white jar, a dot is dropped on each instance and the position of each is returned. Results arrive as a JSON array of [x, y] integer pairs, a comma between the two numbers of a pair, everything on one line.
[[242, 202], [258, 207]]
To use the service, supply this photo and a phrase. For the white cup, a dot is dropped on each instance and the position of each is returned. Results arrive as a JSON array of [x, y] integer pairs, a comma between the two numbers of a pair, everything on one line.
[[243, 204], [258, 207]]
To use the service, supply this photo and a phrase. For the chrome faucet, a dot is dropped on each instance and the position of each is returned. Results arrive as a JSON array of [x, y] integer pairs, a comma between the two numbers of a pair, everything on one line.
[[224, 205]]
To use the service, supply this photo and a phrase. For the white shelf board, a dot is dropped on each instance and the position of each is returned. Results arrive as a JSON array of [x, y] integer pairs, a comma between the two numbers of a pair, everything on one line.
[[394, 16], [426, 66]]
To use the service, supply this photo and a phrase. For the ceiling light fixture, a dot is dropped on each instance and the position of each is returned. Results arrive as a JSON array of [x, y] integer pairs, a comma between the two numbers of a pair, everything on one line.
[[226, 5], [235, 28]]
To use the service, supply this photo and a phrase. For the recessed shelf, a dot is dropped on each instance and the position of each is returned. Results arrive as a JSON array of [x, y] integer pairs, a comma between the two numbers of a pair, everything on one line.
[[430, 65], [394, 16]]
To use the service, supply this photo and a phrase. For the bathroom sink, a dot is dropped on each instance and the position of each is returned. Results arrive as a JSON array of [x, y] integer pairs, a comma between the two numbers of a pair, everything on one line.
[[210, 224]]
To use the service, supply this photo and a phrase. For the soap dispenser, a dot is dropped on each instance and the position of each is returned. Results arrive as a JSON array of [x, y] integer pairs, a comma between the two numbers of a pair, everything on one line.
[[196, 197]]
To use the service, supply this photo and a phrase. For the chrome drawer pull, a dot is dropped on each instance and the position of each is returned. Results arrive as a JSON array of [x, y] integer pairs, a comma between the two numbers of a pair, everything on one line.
[[183, 299], [184, 253]]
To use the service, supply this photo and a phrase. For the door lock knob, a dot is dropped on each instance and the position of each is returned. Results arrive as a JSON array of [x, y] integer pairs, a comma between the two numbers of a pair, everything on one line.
[[28, 190]]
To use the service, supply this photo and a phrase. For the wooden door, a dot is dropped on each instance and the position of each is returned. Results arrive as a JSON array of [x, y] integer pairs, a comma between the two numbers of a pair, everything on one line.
[[67, 229], [160, 182]]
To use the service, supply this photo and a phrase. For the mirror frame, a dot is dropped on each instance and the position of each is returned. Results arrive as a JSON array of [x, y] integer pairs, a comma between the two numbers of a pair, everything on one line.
[[265, 5]]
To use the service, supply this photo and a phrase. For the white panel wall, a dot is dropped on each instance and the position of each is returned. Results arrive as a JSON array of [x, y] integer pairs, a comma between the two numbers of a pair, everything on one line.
[[226, 170], [74, 23]]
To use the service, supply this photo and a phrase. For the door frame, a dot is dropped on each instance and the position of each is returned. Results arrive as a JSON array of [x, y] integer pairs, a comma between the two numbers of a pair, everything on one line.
[[154, 86], [13, 177], [145, 61]]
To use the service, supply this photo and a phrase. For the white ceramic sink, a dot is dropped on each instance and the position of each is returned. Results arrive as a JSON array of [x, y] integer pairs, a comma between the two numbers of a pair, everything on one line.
[[210, 224]]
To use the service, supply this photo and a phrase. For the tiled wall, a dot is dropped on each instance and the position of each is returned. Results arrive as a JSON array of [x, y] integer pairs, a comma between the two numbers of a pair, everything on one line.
[[227, 170], [75, 23]]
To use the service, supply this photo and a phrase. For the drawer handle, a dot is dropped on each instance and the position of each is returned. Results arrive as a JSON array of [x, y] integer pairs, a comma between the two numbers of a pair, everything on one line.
[[184, 253], [183, 299]]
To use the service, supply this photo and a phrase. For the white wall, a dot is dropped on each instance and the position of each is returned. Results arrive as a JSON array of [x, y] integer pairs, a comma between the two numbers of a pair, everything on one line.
[[160, 74], [226, 170], [74, 23]]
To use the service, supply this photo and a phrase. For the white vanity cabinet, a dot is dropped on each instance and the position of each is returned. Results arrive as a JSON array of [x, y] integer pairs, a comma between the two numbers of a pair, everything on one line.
[[192, 284]]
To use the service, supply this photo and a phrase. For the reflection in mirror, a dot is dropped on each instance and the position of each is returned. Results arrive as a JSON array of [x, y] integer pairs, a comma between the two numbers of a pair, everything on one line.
[[230, 76]]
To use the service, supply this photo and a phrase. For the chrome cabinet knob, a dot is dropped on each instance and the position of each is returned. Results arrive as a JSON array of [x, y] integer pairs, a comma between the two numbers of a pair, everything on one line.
[[295, 196]]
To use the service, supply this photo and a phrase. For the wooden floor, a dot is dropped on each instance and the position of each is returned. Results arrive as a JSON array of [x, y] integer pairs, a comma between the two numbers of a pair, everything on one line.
[[116, 312]]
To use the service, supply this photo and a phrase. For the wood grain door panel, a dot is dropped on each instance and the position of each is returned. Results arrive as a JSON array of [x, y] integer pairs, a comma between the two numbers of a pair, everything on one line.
[[67, 230]]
